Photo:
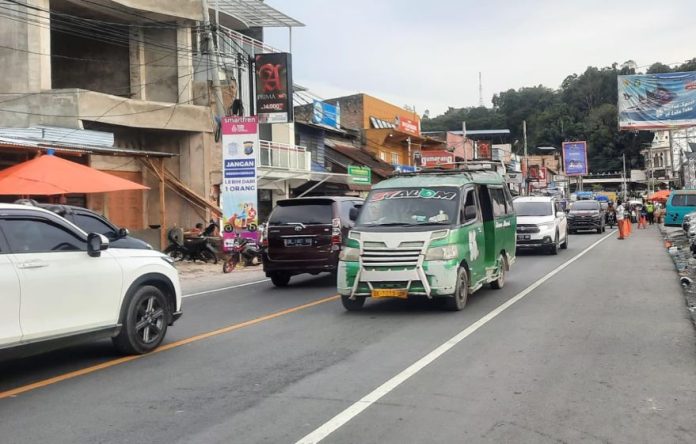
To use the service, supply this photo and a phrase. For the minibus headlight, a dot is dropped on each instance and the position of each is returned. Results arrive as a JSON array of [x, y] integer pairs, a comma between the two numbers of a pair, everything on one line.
[[349, 254], [442, 253]]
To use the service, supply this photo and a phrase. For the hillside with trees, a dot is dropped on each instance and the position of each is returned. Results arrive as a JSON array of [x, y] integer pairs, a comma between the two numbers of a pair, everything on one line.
[[583, 108]]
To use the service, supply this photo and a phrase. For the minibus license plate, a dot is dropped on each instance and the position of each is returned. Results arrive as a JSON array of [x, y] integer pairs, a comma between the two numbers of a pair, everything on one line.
[[298, 242], [390, 293]]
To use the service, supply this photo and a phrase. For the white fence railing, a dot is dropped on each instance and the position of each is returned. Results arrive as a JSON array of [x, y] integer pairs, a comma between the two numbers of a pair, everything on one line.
[[285, 156]]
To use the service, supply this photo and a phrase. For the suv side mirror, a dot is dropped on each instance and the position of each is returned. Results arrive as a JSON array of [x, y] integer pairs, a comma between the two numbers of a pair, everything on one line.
[[354, 213], [470, 212], [123, 232], [96, 243]]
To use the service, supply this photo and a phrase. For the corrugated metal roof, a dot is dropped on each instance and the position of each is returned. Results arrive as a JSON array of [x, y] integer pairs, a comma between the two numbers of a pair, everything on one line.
[[255, 13], [58, 134], [496, 132], [44, 145]]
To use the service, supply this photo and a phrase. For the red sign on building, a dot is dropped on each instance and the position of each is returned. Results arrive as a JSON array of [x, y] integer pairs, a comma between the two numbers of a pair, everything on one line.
[[408, 126], [435, 158]]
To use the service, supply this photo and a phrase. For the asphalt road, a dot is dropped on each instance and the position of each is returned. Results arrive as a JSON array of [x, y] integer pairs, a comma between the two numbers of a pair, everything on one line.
[[587, 346]]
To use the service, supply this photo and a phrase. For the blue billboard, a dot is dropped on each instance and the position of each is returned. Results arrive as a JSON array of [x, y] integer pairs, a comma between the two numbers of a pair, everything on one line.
[[657, 101], [326, 114], [575, 158]]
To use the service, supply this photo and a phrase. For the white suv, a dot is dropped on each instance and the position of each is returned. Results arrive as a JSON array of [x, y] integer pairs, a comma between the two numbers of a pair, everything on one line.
[[59, 286], [541, 223]]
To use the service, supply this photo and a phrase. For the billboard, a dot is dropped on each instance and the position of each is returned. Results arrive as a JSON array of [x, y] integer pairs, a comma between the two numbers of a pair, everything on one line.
[[240, 148], [484, 150], [274, 88], [575, 158], [408, 125], [435, 158], [657, 101], [326, 114]]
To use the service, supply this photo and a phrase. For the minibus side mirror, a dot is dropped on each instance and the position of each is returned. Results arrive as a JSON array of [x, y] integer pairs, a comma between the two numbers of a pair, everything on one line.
[[470, 212], [353, 213]]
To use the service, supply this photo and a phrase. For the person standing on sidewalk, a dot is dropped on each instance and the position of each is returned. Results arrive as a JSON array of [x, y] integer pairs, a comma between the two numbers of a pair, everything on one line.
[[620, 219], [650, 208]]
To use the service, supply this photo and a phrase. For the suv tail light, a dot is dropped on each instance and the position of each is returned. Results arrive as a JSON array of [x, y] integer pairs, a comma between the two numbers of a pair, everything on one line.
[[264, 241], [336, 234]]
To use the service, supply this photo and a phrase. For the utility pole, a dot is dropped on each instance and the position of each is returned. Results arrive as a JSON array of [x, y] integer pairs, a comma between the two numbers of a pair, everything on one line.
[[625, 188], [466, 161], [219, 107], [651, 187], [526, 160]]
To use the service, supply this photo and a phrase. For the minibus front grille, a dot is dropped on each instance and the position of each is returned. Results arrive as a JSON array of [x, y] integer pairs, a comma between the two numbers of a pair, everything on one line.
[[390, 257]]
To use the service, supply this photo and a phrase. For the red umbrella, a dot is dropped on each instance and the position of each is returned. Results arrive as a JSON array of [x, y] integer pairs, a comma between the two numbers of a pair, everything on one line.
[[661, 196], [50, 175]]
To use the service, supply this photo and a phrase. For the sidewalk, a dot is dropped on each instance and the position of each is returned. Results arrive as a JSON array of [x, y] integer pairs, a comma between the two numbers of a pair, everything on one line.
[[198, 276]]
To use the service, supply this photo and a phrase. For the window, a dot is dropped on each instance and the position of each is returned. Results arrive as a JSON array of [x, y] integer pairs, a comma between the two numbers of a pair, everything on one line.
[[40, 236], [498, 201], [306, 213], [469, 200], [395, 158], [383, 155], [91, 224], [508, 201], [533, 208], [684, 200]]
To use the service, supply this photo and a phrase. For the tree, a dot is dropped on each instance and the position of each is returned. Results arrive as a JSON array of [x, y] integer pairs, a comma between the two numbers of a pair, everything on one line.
[[657, 68]]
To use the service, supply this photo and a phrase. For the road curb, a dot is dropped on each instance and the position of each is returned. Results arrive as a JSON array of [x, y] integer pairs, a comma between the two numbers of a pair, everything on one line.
[[678, 248]]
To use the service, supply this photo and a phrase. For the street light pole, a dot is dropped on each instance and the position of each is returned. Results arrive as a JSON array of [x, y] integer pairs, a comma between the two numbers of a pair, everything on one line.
[[526, 160]]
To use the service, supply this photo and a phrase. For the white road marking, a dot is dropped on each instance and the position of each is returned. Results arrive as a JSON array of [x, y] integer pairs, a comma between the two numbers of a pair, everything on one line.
[[225, 288], [354, 410]]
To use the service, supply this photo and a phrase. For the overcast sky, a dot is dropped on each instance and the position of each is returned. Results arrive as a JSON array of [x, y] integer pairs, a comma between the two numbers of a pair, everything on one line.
[[428, 53]]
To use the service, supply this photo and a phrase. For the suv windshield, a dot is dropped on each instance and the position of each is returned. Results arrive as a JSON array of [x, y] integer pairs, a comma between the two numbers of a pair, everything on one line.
[[586, 205], [411, 206], [533, 208], [305, 213]]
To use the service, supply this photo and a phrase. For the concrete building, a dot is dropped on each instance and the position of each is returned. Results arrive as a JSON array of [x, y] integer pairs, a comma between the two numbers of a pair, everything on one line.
[[135, 70]]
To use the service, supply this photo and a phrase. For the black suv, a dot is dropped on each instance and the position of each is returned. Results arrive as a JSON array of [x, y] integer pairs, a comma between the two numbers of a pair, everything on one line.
[[304, 235], [586, 215], [92, 222]]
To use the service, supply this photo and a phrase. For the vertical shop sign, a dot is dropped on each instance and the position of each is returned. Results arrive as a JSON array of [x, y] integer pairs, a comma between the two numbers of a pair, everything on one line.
[[274, 88], [484, 150], [240, 147], [575, 158]]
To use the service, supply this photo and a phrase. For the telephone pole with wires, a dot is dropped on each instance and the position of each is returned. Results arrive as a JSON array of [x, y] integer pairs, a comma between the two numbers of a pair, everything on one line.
[[210, 50]]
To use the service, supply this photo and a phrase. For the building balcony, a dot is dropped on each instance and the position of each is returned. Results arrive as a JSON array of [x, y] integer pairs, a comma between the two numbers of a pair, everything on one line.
[[284, 157]]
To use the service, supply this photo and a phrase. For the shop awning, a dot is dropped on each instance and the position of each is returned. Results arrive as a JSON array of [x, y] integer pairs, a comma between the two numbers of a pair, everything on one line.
[[75, 148], [255, 13]]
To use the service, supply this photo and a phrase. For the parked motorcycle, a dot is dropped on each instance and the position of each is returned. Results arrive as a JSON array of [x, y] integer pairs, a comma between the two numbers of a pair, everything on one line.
[[192, 249], [243, 250]]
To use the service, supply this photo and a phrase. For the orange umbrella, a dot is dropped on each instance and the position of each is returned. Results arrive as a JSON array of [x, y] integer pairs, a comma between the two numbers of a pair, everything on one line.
[[661, 195], [49, 175]]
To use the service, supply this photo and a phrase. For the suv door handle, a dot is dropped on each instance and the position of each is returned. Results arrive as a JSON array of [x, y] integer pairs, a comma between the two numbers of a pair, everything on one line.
[[32, 264]]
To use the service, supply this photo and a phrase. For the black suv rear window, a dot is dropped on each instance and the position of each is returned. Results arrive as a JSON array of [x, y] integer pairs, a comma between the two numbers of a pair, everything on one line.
[[305, 213], [580, 205]]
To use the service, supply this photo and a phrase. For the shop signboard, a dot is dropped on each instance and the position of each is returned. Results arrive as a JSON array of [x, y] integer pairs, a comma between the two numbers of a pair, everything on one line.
[[274, 88], [240, 148], [657, 101], [360, 175], [326, 114], [484, 150], [408, 126], [435, 158], [575, 158], [404, 168]]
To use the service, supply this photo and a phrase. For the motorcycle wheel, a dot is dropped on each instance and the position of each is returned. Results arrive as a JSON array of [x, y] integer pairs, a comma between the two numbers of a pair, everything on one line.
[[208, 256], [177, 255], [228, 266]]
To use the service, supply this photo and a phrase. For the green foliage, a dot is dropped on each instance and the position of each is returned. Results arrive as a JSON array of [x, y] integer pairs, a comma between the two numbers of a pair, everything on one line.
[[583, 108]]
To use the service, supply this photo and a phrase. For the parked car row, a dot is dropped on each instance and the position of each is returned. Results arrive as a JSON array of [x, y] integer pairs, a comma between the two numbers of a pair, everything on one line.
[[61, 285]]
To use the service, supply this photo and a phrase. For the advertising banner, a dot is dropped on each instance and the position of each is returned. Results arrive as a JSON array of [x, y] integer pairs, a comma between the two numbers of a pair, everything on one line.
[[240, 147], [436, 158], [408, 126], [326, 114], [575, 158], [274, 88], [484, 150], [657, 101]]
